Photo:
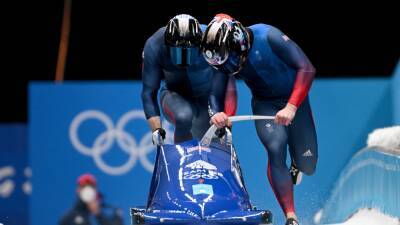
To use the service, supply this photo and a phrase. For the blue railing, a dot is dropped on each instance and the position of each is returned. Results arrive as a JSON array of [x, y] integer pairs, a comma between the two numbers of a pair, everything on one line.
[[370, 180]]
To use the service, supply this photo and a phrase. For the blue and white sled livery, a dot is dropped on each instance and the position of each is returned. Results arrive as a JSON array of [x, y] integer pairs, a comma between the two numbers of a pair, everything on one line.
[[199, 182]]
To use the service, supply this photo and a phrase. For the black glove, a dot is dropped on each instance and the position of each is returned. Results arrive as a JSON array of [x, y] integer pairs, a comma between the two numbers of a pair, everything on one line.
[[158, 136], [222, 131]]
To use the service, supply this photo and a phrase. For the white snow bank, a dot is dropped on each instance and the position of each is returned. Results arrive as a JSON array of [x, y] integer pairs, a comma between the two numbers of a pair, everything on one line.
[[370, 217], [385, 137]]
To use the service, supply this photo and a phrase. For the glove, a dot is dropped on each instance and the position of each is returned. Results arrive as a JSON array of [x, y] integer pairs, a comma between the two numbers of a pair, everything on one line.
[[225, 133], [158, 136]]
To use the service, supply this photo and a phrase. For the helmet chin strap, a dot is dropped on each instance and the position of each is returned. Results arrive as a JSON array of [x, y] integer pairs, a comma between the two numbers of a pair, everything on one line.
[[241, 63], [251, 37], [245, 56], [239, 67]]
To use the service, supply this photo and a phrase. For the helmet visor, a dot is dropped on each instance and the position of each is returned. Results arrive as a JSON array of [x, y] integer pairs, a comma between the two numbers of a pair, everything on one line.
[[182, 56]]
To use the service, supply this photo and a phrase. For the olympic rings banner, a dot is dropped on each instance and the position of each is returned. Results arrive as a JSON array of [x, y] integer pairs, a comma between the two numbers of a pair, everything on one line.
[[88, 127]]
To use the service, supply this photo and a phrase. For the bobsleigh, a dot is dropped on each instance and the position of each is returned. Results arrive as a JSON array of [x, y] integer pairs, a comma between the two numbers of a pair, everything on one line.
[[199, 182]]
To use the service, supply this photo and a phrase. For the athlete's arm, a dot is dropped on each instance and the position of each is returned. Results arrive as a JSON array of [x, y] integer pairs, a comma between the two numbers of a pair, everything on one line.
[[216, 99], [289, 52], [292, 55], [230, 100], [151, 77], [154, 122]]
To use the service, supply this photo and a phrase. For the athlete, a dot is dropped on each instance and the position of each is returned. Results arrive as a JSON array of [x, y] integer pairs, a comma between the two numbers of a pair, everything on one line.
[[173, 54], [279, 76]]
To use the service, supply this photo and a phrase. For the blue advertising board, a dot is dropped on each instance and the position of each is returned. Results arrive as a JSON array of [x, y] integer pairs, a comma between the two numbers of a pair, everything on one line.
[[15, 186], [99, 127]]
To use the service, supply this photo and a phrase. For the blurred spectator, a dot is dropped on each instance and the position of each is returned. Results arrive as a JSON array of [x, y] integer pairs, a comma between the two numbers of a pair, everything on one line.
[[90, 208]]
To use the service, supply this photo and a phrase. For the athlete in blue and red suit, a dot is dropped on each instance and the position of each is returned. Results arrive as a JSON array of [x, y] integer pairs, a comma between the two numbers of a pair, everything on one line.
[[172, 53], [279, 76]]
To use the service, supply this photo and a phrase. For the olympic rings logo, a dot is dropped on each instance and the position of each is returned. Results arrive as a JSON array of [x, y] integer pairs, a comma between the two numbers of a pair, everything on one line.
[[115, 134]]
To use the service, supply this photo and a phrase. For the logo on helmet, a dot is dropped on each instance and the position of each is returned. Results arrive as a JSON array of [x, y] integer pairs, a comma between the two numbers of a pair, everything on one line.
[[209, 54]]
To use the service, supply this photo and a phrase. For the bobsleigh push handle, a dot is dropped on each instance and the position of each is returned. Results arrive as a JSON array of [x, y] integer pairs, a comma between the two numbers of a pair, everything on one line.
[[209, 135]]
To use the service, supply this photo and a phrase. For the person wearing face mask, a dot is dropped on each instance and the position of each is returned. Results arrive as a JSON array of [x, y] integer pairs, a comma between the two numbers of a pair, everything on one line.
[[279, 76], [172, 54], [90, 209]]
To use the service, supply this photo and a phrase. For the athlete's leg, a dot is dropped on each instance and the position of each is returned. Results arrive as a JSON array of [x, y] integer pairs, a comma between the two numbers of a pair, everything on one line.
[[178, 111], [303, 139], [274, 138]]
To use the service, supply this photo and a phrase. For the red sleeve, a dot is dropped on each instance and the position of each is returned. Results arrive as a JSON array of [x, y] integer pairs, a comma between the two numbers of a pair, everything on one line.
[[301, 87], [231, 97]]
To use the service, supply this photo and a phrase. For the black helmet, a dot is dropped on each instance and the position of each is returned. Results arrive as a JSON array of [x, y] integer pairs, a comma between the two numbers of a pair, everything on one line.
[[226, 44], [183, 36]]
